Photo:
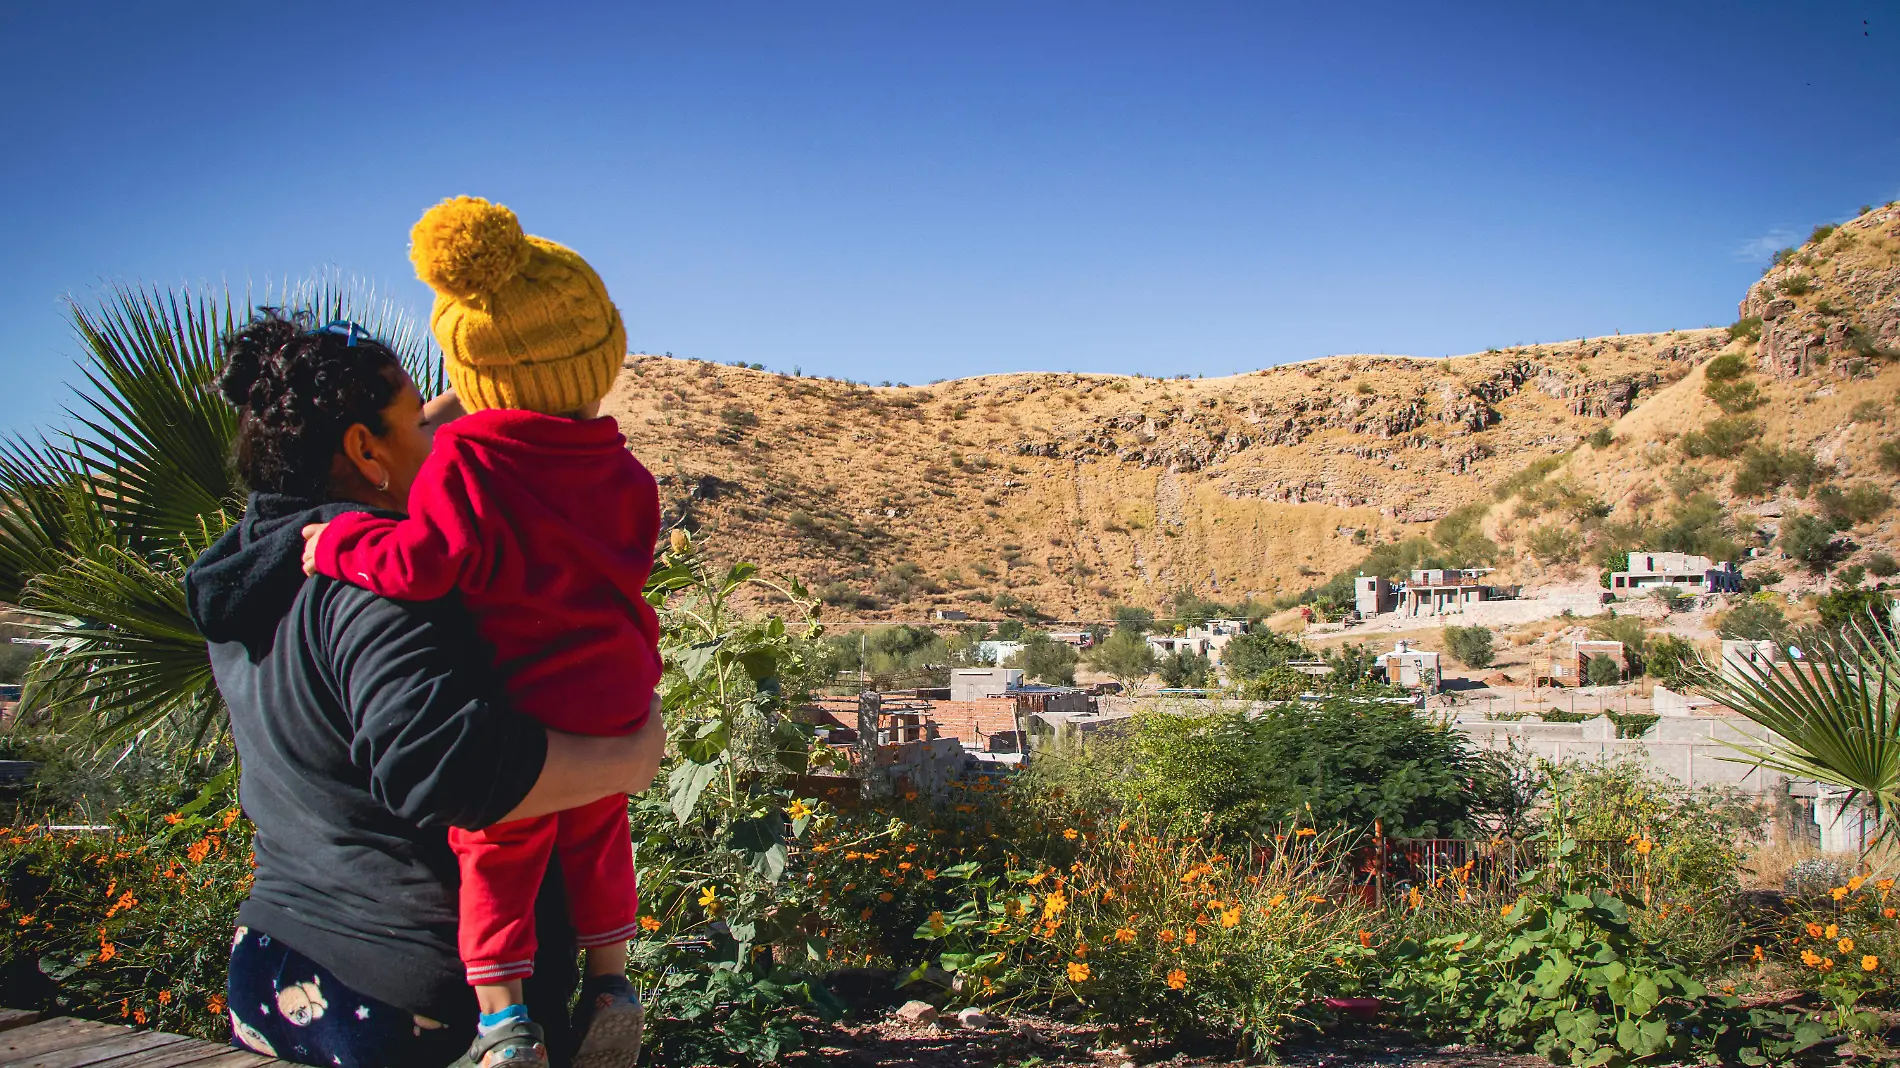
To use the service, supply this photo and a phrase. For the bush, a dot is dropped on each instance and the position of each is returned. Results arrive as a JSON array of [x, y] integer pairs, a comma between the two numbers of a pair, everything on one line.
[[1727, 367], [1722, 438], [1124, 656], [1132, 620], [1888, 455], [1184, 669], [1746, 329], [1734, 397], [1471, 645], [1882, 565], [1043, 659], [1671, 661], [1250, 655], [1600, 438], [1533, 473], [1602, 671], [1341, 764], [1553, 544], [1808, 539], [1853, 506], [1797, 285], [1851, 575], [1765, 469], [1759, 618]]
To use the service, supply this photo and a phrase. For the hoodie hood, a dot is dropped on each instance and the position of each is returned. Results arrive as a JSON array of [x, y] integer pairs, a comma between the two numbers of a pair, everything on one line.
[[240, 587]]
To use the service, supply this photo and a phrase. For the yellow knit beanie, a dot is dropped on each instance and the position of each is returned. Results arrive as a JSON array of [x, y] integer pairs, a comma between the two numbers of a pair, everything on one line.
[[523, 322]]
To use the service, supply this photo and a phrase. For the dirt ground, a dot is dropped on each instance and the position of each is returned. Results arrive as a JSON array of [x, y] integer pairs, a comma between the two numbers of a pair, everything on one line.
[[1031, 1042]]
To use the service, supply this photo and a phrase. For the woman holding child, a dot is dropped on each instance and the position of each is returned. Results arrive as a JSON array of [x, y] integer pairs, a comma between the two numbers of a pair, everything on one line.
[[462, 694]]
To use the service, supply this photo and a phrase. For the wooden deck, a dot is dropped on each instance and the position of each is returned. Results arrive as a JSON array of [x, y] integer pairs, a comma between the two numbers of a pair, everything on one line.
[[27, 1041]]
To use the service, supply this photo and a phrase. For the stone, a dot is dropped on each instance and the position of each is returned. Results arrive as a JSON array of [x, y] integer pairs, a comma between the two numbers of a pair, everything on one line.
[[976, 1019], [917, 1012]]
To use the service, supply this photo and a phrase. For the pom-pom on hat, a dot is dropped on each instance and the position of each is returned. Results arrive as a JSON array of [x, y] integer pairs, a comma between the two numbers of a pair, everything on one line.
[[523, 322]]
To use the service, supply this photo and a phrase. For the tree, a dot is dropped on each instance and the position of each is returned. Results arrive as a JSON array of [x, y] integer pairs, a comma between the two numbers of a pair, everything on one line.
[[1132, 620], [1125, 657], [1043, 659], [100, 521], [1808, 539], [1671, 661], [1758, 618], [1258, 651], [1184, 669], [1471, 645], [1602, 671]]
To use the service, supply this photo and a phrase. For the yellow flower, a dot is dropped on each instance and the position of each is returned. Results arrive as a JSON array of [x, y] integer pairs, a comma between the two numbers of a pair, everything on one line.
[[1838, 892], [937, 924], [1846, 944], [1078, 971], [1833, 930], [1506, 910], [708, 897], [1854, 884], [1177, 979], [798, 810], [1230, 917], [1884, 885], [1827, 964], [1305, 832], [1053, 905], [1069, 833], [1166, 936], [1869, 963], [1757, 955], [1643, 846], [1275, 900], [1810, 958]]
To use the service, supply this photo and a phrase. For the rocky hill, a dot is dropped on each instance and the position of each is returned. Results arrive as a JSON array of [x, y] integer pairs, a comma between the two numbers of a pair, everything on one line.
[[1800, 422], [1071, 493]]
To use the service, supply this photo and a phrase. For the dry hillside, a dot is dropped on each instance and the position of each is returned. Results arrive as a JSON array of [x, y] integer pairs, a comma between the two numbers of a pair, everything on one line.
[[1075, 492], [1810, 403]]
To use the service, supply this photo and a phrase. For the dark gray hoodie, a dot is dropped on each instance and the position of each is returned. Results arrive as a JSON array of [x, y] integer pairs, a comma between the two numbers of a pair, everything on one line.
[[365, 727]]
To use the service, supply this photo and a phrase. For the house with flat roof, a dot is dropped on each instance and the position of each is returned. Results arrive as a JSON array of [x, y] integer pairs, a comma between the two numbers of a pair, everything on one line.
[[1682, 571], [1437, 591]]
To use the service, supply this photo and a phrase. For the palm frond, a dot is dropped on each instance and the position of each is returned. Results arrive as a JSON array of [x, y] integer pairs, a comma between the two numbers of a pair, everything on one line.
[[329, 295], [1835, 714]]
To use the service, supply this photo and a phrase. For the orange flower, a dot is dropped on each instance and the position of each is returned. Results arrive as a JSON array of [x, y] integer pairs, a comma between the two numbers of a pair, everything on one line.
[[199, 850], [1869, 963], [1125, 934], [1838, 892], [1078, 971], [1177, 979], [885, 896], [1757, 955], [1069, 833], [138, 1016], [1365, 939], [1230, 917], [164, 997], [1810, 958], [215, 1004], [1846, 945], [1643, 846], [1888, 913], [1190, 937], [174, 818], [1854, 884], [1814, 930], [904, 866], [649, 923], [930, 873], [1833, 930], [1166, 936]]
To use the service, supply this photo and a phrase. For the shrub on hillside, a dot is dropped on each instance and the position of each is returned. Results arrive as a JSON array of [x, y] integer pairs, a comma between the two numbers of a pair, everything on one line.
[[1532, 473], [1552, 544], [1797, 285], [1759, 618], [1734, 397], [1808, 539], [1765, 469], [1471, 645], [1721, 438], [1853, 506], [1671, 661], [1745, 329], [1882, 565]]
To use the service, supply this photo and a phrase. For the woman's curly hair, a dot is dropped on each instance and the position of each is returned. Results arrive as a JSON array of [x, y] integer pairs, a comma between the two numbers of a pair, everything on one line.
[[297, 392]]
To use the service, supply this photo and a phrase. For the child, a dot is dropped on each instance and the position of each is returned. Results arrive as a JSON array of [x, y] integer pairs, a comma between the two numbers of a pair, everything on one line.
[[532, 507]]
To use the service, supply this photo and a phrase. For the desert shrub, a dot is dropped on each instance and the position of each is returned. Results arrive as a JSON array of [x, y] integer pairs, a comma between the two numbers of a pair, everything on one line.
[[1722, 438], [1671, 661], [1551, 543], [1797, 285], [1011, 605], [1043, 659], [1822, 233], [1471, 645], [1747, 329], [1341, 764], [1258, 651], [1765, 469], [1671, 598], [1566, 497], [1461, 535], [1132, 620], [1125, 656], [1758, 618], [1602, 671], [1600, 438], [1882, 565], [1887, 454], [904, 580], [1853, 506], [1734, 397], [1630, 630], [1184, 669], [1727, 367], [1868, 411], [1808, 539], [1867, 609], [1851, 575], [894, 649], [844, 595]]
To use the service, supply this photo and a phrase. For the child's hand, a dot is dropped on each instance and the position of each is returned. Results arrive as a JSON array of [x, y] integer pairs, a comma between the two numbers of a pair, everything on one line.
[[310, 535]]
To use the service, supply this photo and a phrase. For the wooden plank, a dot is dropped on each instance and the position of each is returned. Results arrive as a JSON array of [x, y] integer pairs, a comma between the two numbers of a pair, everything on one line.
[[12, 1018], [236, 1058], [190, 1054], [19, 1046], [105, 1049]]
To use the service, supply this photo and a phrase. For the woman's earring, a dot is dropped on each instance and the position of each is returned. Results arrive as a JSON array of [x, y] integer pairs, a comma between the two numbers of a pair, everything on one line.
[[383, 485]]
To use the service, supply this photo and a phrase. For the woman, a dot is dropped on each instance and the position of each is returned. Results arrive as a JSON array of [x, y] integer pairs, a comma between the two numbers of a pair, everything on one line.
[[365, 728]]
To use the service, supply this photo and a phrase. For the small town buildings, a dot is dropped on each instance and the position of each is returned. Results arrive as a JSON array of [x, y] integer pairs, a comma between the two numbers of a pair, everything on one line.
[[974, 684], [1573, 668], [951, 615], [1743, 660], [1683, 571], [1414, 669], [1206, 639], [1372, 595], [1081, 639], [1438, 591], [996, 651]]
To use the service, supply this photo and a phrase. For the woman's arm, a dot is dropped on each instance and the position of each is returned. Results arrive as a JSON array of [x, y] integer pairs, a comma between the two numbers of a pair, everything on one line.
[[580, 768]]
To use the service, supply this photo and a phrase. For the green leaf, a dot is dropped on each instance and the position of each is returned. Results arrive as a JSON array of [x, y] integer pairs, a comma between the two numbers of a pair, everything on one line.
[[684, 783], [1643, 996], [761, 841]]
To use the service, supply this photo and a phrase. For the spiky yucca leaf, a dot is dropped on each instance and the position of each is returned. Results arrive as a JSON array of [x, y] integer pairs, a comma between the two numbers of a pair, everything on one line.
[[1836, 713], [97, 523]]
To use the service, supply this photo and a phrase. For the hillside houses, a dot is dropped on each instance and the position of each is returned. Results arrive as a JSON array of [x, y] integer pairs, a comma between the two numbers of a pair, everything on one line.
[[1681, 571]]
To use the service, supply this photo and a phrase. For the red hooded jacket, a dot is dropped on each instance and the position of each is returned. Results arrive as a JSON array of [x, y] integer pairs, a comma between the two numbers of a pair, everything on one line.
[[547, 526]]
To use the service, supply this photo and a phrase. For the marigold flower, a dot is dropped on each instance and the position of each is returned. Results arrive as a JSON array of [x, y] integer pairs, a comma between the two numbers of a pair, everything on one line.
[[1166, 936], [165, 997], [1827, 964], [1177, 979], [1869, 963], [1230, 917], [215, 1004], [1125, 934], [138, 1016], [1069, 833], [1078, 971], [1838, 892], [1814, 930], [903, 865], [1846, 945], [1810, 958], [1190, 937], [1833, 930]]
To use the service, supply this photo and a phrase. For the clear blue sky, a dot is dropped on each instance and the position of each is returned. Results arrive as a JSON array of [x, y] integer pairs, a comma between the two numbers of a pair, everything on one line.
[[912, 191]]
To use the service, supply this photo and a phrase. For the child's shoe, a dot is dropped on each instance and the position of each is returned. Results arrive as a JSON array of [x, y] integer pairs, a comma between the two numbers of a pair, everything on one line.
[[609, 1020], [517, 1043]]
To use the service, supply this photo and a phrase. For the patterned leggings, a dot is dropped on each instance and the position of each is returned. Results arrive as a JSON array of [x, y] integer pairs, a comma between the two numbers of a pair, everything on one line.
[[285, 1005]]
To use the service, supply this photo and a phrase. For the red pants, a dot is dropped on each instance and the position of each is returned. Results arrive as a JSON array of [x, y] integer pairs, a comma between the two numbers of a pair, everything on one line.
[[502, 867]]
